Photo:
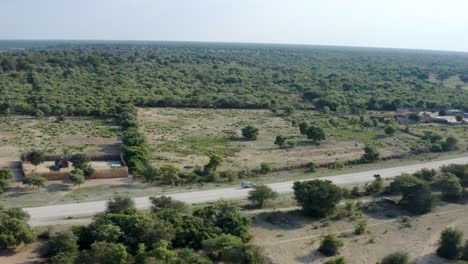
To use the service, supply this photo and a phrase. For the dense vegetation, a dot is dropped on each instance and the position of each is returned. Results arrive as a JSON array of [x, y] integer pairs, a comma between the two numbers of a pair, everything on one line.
[[169, 233], [94, 78]]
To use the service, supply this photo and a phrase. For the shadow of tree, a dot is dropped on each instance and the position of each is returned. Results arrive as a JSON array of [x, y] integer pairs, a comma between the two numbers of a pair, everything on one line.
[[311, 257], [281, 220], [430, 259], [57, 187]]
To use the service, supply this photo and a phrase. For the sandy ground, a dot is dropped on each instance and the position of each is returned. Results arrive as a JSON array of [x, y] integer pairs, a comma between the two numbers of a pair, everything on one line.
[[295, 239], [27, 254]]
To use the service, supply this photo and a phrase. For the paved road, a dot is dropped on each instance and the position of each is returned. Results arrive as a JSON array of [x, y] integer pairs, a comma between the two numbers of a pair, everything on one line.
[[56, 214]]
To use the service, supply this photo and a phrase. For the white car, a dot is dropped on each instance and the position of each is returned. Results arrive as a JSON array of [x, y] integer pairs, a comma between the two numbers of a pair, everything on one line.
[[248, 185]]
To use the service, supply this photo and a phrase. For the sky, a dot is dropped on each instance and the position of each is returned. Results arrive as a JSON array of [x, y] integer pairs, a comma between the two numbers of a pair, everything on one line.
[[415, 24]]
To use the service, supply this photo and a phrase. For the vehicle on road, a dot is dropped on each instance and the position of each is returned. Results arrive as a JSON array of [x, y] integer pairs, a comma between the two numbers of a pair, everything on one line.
[[248, 185]]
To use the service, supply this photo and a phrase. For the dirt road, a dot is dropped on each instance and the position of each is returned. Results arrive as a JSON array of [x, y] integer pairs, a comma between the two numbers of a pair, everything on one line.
[[53, 214]]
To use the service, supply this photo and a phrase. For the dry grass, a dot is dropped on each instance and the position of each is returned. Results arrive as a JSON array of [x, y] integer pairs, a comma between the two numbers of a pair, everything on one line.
[[292, 238], [75, 134], [185, 137]]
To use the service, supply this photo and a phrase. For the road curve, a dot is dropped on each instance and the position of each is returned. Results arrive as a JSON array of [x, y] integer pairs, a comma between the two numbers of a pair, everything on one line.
[[46, 215]]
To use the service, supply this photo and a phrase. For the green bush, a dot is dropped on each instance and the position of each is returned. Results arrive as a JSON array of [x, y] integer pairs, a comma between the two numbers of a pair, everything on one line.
[[337, 260], [395, 258], [330, 245], [450, 243]]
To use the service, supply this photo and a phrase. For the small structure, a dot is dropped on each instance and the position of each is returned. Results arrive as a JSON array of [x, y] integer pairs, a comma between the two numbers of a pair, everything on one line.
[[50, 171], [453, 112]]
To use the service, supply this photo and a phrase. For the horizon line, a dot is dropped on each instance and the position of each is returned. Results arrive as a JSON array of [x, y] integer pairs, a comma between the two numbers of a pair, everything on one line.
[[242, 42]]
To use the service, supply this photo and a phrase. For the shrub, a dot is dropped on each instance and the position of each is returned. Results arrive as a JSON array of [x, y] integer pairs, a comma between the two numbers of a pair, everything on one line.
[[464, 251], [260, 194], [35, 156], [330, 245], [337, 260], [120, 205], [371, 154], [250, 132], [64, 242], [390, 130], [265, 168], [450, 243], [77, 177], [450, 186], [310, 167], [89, 172], [395, 258], [360, 227], [436, 147], [164, 202]]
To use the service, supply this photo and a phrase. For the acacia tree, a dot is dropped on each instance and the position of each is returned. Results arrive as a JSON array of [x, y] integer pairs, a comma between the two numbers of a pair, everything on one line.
[[80, 160], [280, 140], [260, 194], [250, 132], [317, 198], [14, 229], [316, 134], [416, 193], [77, 177], [35, 156]]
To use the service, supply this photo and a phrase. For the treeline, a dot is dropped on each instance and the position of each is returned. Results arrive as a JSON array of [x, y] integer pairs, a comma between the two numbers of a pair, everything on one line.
[[80, 78], [134, 148], [169, 233]]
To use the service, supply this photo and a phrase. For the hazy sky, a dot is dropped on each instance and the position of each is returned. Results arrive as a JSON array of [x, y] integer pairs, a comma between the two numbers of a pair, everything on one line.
[[425, 24]]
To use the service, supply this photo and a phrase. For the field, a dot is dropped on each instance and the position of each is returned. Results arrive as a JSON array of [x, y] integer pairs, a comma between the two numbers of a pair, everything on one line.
[[460, 132], [74, 134], [185, 137], [291, 238]]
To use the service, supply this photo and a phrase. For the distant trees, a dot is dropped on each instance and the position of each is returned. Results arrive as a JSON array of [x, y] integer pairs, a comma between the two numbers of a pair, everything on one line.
[[260, 194], [250, 132], [317, 198], [459, 117]]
